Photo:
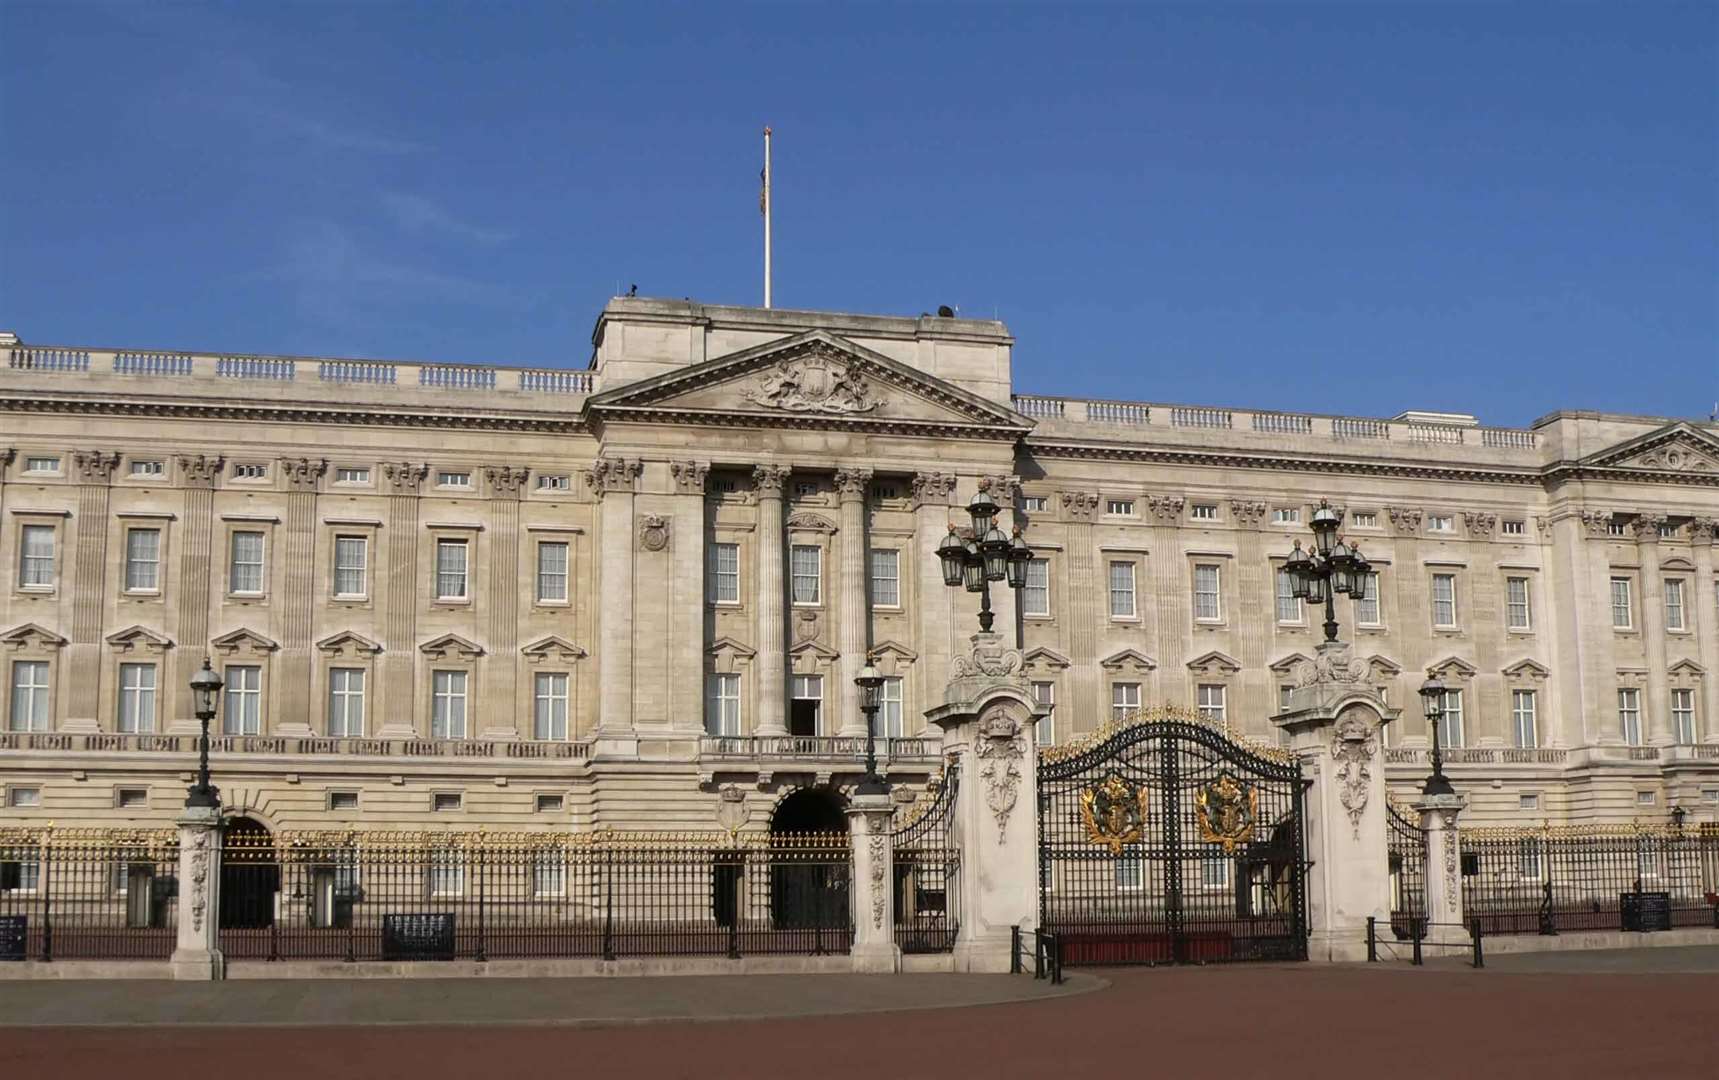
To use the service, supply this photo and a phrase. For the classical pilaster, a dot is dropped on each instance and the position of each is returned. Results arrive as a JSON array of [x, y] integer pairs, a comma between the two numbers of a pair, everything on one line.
[[614, 481], [197, 473], [686, 612], [1085, 615], [1656, 715], [1598, 659], [1706, 624], [1484, 623], [89, 587], [1409, 581], [1253, 579], [854, 606], [772, 660], [400, 600], [935, 609], [499, 715], [295, 694], [1173, 599]]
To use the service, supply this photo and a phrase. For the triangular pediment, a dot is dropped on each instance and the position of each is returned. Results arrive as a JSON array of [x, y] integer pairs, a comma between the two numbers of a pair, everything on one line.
[[1680, 448], [449, 646], [811, 379], [139, 638], [1214, 661], [1528, 668], [814, 649], [31, 636], [347, 642], [1128, 659], [1452, 666], [1686, 666], [894, 649], [1286, 666], [731, 647], [554, 646], [1043, 659], [243, 640], [1384, 665]]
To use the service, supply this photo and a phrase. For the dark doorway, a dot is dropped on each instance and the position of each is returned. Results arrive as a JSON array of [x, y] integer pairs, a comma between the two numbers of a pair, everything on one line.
[[810, 810], [250, 877], [809, 878], [803, 716]]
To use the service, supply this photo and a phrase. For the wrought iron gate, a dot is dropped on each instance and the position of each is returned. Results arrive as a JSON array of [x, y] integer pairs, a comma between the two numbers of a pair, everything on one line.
[[927, 894], [1408, 855], [1167, 840]]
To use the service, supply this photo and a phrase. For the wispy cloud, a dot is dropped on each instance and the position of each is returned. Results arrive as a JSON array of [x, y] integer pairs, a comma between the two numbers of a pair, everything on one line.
[[419, 215]]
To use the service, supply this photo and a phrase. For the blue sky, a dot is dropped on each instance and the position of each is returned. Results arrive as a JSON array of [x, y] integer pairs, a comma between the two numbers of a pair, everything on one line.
[[1502, 208]]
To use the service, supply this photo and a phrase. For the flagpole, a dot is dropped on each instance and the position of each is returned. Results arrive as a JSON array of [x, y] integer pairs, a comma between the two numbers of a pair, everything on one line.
[[765, 206]]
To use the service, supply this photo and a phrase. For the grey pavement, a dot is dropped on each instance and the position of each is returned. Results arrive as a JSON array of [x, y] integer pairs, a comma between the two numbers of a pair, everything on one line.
[[451, 1001], [1675, 960]]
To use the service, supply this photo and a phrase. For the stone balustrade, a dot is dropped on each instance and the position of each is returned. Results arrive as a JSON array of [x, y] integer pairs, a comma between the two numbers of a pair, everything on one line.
[[815, 747], [295, 746]]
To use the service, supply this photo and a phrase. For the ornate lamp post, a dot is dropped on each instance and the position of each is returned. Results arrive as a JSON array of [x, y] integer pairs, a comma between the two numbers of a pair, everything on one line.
[[205, 691], [870, 682], [1332, 566], [989, 556], [1432, 703]]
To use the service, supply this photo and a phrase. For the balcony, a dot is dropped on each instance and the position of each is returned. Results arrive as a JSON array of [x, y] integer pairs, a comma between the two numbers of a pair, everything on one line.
[[294, 746], [843, 749]]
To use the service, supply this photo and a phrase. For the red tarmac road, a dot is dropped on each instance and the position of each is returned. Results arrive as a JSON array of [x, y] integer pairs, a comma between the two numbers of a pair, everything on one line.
[[1241, 1022]]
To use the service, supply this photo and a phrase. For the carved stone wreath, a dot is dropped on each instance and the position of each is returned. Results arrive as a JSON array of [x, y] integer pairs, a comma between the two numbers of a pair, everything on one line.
[[1352, 748]]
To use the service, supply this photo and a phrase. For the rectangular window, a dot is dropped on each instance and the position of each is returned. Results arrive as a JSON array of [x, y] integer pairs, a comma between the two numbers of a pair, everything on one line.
[[1524, 718], [445, 800], [453, 479], [351, 566], [1283, 692], [1529, 801], [1516, 615], [889, 714], [1130, 872], [131, 798], [1204, 512], [346, 702], [343, 800], [1450, 724], [1513, 528], [245, 563], [1214, 873], [1674, 604], [806, 710], [549, 874], [41, 464], [1645, 798], [447, 875], [22, 875], [136, 698], [1045, 694], [1208, 602], [352, 476], [1367, 611], [1035, 598], [36, 557], [550, 804], [725, 573], [1629, 716], [1288, 604], [148, 468], [552, 572], [554, 482], [24, 797], [29, 696], [804, 488], [1364, 520], [1034, 504], [1122, 590], [806, 561], [1124, 700], [451, 570], [885, 578], [1211, 702], [244, 711], [1622, 618], [1683, 715], [1119, 507], [1440, 523], [142, 560], [549, 720], [1444, 600], [1528, 859], [1616, 527], [1286, 515], [722, 704], [250, 470], [448, 705]]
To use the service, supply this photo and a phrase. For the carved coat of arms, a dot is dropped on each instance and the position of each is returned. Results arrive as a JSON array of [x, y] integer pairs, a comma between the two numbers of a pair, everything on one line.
[[1114, 812], [814, 384], [1226, 810]]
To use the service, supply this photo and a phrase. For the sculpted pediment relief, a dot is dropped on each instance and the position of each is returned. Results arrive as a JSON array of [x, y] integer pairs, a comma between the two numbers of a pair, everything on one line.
[[1676, 448], [810, 378]]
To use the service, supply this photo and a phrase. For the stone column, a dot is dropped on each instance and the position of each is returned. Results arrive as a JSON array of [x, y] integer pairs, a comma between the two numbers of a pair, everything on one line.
[[1085, 602], [933, 602], [687, 593], [293, 696], [1446, 925], [614, 481], [1706, 624], [988, 716], [1334, 720], [88, 587], [196, 568], [400, 601], [875, 950], [772, 660], [852, 636], [1656, 710], [1255, 577], [196, 948], [498, 705]]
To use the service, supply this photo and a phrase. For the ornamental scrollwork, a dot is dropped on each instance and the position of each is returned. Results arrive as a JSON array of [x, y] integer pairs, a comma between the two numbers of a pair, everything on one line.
[[95, 466], [1080, 505], [1352, 748], [302, 474], [989, 658], [689, 476], [1000, 752], [612, 474], [932, 489], [878, 852], [1226, 811], [505, 481], [1331, 665], [199, 878], [814, 384], [1114, 812]]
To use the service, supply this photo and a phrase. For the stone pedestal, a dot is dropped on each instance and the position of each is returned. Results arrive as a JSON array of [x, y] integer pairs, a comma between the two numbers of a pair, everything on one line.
[[1446, 924], [988, 719], [1333, 722], [196, 950], [875, 951]]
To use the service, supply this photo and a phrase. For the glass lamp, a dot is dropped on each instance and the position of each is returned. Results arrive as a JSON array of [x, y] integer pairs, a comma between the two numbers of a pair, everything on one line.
[[205, 689], [953, 553], [1019, 556], [983, 510], [1325, 522]]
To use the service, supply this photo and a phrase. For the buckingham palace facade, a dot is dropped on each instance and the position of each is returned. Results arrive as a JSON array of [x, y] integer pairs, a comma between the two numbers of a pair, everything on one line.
[[627, 595]]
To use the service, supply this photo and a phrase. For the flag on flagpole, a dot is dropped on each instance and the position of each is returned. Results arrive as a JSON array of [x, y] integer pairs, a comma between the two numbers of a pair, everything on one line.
[[763, 192]]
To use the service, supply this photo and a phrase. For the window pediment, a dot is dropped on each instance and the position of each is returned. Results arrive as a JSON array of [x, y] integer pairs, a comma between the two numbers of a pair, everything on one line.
[[1528, 668], [1452, 667], [139, 639], [1044, 661], [1383, 666], [553, 647], [806, 521], [31, 636], [1285, 667], [1686, 669], [1130, 660], [245, 641], [451, 647], [1214, 663], [347, 643]]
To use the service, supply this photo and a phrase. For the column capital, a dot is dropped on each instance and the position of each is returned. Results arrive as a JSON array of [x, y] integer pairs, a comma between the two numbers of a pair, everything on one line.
[[1247, 513], [1166, 508], [1481, 524], [932, 489], [95, 466], [1701, 530], [404, 477], [506, 482], [1005, 489], [689, 476], [1406, 520], [303, 474], [768, 479], [199, 470], [613, 474], [1080, 505], [1646, 527], [852, 484], [1597, 523]]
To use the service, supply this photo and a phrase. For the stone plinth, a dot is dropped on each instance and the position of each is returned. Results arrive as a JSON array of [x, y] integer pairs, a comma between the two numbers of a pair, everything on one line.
[[874, 950], [1446, 924], [196, 949]]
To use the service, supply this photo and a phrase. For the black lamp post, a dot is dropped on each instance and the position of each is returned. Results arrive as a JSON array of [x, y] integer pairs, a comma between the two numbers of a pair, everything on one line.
[[1333, 566], [989, 556], [205, 691], [1432, 703], [870, 682]]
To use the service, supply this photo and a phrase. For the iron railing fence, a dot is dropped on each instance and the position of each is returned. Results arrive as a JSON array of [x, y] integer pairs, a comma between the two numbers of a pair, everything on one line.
[[1408, 865], [1623, 877], [927, 894], [88, 894], [480, 896]]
